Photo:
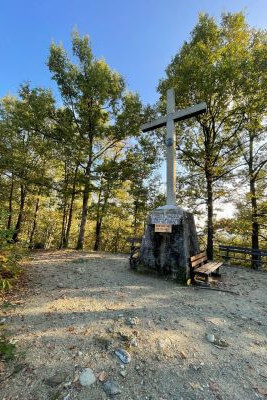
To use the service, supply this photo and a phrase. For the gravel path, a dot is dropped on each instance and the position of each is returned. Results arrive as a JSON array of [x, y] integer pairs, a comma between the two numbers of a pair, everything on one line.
[[81, 307]]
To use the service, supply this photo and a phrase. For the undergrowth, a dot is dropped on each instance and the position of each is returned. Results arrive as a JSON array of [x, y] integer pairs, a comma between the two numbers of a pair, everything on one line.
[[7, 349], [10, 255]]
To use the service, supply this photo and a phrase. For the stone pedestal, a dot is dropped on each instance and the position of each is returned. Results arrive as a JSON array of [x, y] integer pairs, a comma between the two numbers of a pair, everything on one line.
[[168, 253]]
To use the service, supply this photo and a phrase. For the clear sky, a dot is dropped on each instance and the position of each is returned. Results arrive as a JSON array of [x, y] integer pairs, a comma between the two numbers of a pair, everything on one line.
[[136, 37]]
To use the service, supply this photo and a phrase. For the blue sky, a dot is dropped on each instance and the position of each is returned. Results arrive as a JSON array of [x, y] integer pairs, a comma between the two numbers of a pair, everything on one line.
[[137, 38]]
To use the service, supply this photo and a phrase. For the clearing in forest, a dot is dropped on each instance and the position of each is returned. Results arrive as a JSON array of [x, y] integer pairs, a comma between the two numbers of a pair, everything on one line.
[[185, 343]]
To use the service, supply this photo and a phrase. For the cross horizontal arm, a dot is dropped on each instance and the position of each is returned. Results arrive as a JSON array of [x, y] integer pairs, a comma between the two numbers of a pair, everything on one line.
[[189, 112], [176, 116], [157, 123]]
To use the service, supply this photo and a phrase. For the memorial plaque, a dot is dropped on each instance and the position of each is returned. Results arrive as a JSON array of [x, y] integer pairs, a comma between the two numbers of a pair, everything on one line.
[[163, 228]]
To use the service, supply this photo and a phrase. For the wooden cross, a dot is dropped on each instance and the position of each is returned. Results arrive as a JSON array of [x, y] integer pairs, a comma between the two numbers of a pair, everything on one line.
[[169, 120]]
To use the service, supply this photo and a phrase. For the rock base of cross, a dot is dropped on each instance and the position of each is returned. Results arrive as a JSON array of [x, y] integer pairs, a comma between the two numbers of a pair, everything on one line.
[[168, 253]]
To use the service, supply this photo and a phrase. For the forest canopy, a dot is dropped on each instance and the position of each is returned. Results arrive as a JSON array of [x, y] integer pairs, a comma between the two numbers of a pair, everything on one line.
[[79, 173]]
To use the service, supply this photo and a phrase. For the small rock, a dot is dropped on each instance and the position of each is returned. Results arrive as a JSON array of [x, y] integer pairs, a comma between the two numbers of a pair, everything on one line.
[[124, 336], [133, 342], [79, 353], [111, 388], [87, 377], [2, 321], [220, 343], [196, 367], [123, 355], [210, 337], [56, 379], [161, 344], [103, 341], [60, 285], [132, 321], [123, 373], [102, 376]]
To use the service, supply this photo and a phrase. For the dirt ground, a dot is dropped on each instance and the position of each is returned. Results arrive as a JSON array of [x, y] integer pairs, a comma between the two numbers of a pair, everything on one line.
[[80, 307]]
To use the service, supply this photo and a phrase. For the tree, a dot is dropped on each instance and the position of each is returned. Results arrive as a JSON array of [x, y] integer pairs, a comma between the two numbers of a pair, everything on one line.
[[24, 128], [103, 112], [210, 68], [252, 140], [140, 165]]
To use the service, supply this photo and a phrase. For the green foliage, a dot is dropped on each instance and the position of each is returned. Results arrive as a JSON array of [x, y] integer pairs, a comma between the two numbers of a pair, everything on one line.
[[7, 349], [10, 269], [213, 66], [10, 255]]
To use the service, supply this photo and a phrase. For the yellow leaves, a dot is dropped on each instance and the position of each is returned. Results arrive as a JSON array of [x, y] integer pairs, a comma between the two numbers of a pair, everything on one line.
[[3, 258]]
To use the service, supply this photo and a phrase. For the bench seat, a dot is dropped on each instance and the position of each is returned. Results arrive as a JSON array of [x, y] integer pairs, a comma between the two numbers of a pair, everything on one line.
[[199, 265]]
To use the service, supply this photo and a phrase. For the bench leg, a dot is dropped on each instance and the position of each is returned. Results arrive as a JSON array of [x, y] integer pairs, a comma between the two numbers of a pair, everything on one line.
[[193, 281], [216, 273]]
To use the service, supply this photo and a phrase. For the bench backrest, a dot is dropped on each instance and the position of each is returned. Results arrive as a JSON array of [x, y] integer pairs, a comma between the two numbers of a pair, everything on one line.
[[197, 260]]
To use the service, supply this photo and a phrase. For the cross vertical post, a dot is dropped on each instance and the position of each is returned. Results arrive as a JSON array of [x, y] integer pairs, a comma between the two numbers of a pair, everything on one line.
[[171, 150]]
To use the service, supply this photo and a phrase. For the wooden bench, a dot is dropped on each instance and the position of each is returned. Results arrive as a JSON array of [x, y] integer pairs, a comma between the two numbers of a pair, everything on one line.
[[199, 265], [134, 250]]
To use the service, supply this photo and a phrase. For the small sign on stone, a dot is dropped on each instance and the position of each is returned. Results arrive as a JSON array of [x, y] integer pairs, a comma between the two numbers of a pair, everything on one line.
[[163, 228]]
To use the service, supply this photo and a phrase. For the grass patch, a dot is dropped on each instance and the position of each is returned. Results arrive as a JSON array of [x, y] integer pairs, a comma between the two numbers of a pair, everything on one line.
[[7, 349]]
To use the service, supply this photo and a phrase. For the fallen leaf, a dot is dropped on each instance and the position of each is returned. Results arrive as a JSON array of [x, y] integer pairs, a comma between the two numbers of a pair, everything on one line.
[[183, 355]]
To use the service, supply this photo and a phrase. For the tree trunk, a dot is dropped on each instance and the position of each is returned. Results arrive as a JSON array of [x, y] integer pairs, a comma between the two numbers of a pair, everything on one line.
[[136, 206], [98, 221], [86, 192], [116, 244], [35, 219], [255, 260], [254, 208], [67, 236], [10, 203], [15, 237], [97, 234], [63, 225], [210, 218], [64, 215], [101, 212], [254, 215]]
